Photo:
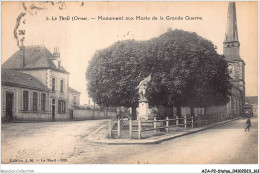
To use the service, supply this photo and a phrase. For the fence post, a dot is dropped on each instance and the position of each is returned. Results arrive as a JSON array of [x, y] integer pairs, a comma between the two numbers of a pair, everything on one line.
[[139, 128], [118, 128], [167, 124], [177, 121], [185, 122], [192, 121], [130, 127], [109, 129], [154, 125]]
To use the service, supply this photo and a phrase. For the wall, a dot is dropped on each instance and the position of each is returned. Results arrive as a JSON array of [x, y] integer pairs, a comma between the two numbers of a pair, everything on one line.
[[88, 114], [215, 110], [186, 111]]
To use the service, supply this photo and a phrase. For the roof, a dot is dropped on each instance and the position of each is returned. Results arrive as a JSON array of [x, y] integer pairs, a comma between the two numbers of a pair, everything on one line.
[[36, 57], [234, 58], [71, 90], [19, 79], [231, 28]]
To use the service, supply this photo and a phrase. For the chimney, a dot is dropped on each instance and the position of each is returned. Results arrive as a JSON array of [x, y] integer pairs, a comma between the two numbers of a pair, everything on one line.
[[56, 52], [22, 47], [56, 59]]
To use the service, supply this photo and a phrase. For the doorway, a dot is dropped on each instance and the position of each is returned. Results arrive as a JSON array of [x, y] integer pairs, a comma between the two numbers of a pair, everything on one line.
[[9, 106], [71, 114], [53, 109]]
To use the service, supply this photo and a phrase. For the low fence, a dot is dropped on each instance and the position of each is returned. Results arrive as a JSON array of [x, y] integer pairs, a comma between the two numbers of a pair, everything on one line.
[[141, 126]]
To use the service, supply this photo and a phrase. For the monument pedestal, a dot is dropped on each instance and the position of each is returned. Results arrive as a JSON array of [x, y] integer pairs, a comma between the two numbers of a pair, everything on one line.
[[143, 110]]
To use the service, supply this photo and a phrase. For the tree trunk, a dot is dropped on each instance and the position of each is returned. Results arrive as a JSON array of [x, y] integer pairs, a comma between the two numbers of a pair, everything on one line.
[[192, 111], [205, 111], [170, 112], [179, 114], [179, 111], [134, 116]]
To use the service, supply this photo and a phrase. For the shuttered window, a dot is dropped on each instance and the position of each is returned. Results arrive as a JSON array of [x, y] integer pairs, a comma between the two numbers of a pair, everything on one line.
[[43, 102], [62, 106], [35, 101], [61, 86], [25, 100], [53, 84]]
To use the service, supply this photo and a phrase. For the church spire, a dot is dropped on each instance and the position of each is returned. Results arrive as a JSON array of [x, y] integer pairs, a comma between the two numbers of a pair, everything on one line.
[[236, 65], [231, 28], [231, 44]]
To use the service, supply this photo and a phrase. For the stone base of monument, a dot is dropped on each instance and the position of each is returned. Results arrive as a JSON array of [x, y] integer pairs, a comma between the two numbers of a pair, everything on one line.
[[143, 110]]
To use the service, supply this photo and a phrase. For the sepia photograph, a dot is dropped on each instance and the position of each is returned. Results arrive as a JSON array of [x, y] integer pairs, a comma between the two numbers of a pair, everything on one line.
[[120, 82]]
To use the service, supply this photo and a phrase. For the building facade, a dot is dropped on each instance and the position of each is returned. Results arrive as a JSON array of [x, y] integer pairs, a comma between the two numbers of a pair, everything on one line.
[[46, 68], [23, 97], [74, 97], [74, 101], [231, 50]]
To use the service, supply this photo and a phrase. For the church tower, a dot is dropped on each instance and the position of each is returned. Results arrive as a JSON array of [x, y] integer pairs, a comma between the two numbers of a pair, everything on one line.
[[236, 67]]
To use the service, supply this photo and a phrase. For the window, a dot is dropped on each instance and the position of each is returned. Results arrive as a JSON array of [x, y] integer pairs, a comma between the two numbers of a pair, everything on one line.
[[62, 106], [61, 86], [25, 100], [43, 102], [35, 101], [53, 84], [74, 100]]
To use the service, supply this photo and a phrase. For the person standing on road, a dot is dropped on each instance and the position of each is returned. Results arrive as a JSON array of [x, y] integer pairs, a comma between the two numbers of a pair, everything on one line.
[[248, 123]]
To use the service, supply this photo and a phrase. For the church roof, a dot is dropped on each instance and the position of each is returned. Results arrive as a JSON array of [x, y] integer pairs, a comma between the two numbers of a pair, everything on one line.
[[36, 57], [19, 79], [231, 27], [71, 90]]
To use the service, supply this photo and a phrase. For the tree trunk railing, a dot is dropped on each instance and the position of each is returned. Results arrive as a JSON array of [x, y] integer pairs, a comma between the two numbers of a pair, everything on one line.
[[155, 125]]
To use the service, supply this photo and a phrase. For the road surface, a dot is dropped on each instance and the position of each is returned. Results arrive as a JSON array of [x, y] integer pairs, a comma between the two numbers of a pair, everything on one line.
[[66, 142]]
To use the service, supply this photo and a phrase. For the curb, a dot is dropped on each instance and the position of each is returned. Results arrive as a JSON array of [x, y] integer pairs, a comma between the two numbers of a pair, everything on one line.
[[152, 140]]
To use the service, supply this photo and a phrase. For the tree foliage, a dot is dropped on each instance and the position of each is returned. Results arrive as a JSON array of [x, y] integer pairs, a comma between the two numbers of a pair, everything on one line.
[[186, 71], [114, 73]]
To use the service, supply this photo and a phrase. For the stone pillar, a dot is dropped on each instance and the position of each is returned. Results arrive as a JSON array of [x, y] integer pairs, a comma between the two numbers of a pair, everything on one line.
[[143, 110]]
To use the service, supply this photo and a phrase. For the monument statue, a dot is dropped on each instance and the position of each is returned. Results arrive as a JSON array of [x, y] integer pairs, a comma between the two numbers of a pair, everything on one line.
[[143, 108], [143, 86]]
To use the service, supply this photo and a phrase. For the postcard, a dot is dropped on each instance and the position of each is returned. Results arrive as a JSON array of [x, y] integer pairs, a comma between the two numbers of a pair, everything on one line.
[[117, 82]]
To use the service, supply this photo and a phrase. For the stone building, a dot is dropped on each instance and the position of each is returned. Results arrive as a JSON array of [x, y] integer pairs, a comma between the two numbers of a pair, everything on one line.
[[44, 67], [23, 97], [74, 101], [74, 97], [231, 47]]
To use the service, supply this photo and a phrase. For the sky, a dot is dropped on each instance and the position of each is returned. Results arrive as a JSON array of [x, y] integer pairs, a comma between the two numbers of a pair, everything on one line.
[[78, 40]]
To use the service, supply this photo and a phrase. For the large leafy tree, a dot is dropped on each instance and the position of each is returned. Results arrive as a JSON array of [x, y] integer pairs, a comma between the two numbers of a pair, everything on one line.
[[114, 73], [186, 71]]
